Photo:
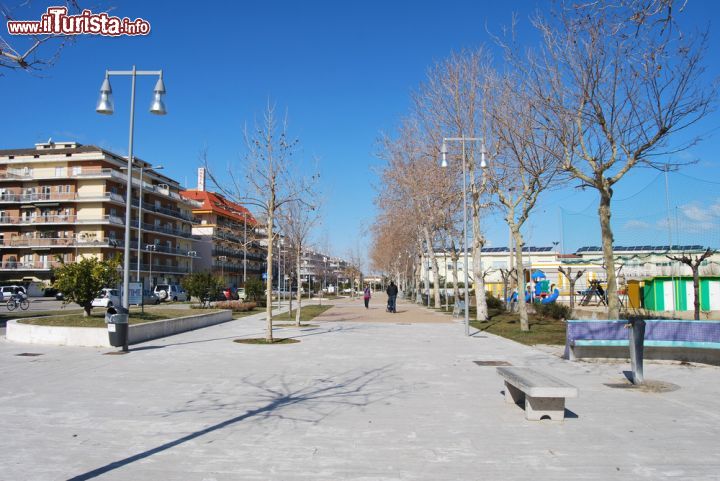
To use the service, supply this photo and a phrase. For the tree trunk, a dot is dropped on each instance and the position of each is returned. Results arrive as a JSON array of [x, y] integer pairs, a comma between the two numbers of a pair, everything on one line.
[[572, 293], [268, 270], [479, 285], [418, 283], [434, 266], [299, 293], [87, 310], [613, 302], [696, 289], [456, 288], [522, 306]]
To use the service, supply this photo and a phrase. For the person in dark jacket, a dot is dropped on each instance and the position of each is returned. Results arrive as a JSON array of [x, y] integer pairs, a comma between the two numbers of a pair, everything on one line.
[[392, 292]]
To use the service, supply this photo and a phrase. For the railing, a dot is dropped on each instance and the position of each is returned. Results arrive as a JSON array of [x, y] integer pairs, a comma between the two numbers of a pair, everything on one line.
[[237, 254], [160, 268], [34, 266], [60, 242], [161, 249], [59, 219], [59, 196], [69, 173]]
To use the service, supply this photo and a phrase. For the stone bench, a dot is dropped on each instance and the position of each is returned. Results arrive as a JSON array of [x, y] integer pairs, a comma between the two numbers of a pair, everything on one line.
[[669, 339], [544, 395]]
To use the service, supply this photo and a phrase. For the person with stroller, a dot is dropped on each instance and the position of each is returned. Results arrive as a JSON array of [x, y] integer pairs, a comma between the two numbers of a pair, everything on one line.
[[392, 292]]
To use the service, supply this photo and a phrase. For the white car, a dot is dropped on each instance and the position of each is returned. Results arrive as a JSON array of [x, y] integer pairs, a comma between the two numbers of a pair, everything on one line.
[[170, 292], [8, 291], [107, 298]]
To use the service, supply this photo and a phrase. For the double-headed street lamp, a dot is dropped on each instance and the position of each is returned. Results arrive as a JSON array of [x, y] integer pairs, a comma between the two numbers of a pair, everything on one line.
[[483, 164], [192, 255], [105, 106]]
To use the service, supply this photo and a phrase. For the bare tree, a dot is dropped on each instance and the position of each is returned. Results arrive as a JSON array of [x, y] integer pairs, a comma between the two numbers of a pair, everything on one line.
[[694, 264], [572, 280], [269, 183], [626, 78], [24, 54], [297, 221], [452, 103], [525, 160]]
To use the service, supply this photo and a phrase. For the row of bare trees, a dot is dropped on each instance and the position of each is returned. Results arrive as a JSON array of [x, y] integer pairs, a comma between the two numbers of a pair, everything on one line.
[[603, 93]]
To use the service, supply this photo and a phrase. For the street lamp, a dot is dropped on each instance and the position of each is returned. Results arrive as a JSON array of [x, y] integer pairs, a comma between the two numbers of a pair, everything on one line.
[[483, 164], [151, 248], [140, 212], [192, 255], [222, 260], [105, 106]]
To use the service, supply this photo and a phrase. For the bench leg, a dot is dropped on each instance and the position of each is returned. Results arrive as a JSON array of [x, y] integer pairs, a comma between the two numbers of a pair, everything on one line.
[[512, 394], [538, 407]]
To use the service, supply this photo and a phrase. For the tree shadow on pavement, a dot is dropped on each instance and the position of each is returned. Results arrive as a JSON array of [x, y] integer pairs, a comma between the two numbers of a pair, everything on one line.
[[323, 397]]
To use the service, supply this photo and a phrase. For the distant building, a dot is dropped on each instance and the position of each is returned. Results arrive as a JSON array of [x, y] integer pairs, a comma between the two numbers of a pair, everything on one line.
[[64, 201], [229, 246]]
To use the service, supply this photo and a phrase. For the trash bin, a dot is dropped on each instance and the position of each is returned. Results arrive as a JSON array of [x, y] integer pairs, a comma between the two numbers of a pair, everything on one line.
[[116, 318]]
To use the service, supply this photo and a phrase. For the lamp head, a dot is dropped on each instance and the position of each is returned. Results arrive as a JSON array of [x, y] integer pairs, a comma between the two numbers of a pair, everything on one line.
[[443, 151], [157, 106], [105, 103], [483, 163]]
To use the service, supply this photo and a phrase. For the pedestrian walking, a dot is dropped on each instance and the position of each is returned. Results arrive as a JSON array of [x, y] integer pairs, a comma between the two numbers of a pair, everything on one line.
[[366, 297], [392, 292]]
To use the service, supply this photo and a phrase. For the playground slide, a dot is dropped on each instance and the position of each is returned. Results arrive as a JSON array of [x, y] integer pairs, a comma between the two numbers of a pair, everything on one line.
[[551, 298]]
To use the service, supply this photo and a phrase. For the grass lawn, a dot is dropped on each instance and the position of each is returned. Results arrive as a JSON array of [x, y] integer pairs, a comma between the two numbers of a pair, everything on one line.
[[307, 313], [18, 314], [97, 318], [542, 331]]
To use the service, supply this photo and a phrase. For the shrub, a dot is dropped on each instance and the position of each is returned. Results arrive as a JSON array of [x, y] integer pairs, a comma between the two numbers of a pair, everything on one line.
[[254, 289], [236, 306], [201, 284], [553, 310], [493, 302]]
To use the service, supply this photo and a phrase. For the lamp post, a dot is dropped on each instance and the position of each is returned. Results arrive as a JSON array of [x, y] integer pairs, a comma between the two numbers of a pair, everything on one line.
[[151, 248], [105, 106], [222, 260], [192, 255], [244, 248], [483, 164], [140, 212]]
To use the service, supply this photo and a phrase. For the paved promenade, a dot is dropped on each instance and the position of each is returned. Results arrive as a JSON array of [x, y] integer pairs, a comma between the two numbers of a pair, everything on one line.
[[366, 396]]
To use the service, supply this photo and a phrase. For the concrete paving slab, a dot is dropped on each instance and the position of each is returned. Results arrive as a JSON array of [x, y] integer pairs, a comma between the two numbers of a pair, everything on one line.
[[355, 400]]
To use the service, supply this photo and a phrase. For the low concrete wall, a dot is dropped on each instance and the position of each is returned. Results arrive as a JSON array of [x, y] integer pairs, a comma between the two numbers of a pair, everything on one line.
[[98, 336]]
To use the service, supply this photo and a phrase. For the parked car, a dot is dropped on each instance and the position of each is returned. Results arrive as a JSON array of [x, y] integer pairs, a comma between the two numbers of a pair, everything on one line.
[[170, 292], [59, 296], [149, 297], [8, 291], [107, 298]]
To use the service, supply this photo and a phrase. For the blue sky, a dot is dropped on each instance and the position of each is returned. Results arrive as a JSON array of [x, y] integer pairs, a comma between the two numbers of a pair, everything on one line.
[[344, 71]]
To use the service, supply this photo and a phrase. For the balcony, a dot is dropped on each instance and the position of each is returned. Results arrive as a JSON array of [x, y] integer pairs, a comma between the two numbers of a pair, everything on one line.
[[50, 242], [237, 254], [162, 229], [9, 198], [59, 219], [162, 249], [30, 266], [71, 173], [159, 268]]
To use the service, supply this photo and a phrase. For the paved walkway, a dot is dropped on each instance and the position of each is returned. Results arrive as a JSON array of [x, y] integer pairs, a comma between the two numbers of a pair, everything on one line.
[[355, 400]]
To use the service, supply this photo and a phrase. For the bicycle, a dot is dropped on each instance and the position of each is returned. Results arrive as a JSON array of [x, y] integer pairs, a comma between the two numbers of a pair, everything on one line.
[[15, 302]]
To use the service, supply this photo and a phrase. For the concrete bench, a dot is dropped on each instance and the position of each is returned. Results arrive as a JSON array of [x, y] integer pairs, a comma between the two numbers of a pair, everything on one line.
[[544, 395], [670, 339]]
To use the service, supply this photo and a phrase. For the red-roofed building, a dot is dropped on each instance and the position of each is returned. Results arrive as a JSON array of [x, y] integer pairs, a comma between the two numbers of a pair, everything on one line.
[[231, 249]]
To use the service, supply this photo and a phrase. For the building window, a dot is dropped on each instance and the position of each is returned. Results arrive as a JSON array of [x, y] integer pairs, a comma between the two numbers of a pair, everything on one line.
[[60, 172]]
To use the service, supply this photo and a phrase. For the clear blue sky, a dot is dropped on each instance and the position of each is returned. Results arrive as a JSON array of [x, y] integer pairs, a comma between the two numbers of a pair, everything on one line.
[[344, 72]]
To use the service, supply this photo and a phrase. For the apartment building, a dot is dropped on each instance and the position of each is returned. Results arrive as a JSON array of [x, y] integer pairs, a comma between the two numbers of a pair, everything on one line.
[[229, 247], [62, 201]]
